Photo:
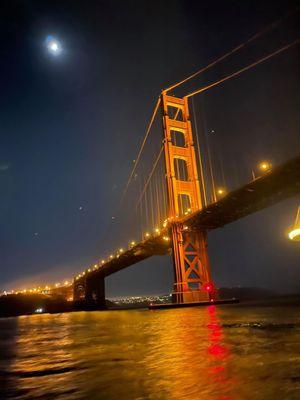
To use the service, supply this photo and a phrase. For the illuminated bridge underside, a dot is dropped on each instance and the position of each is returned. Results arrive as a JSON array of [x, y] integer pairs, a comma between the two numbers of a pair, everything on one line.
[[283, 182]]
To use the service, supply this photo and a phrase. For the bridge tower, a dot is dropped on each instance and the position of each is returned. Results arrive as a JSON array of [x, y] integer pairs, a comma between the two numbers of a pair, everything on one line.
[[190, 258]]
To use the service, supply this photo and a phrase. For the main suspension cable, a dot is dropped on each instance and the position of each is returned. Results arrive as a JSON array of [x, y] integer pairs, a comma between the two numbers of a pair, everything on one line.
[[234, 50], [150, 176], [236, 73]]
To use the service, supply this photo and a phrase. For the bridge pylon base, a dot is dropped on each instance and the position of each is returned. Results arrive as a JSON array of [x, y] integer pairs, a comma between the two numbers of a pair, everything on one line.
[[190, 297], [89, 293], [193, 281]]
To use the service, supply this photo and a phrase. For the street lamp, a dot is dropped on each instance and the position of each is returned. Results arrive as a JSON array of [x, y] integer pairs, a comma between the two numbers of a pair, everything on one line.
[[265, 166], [221, 192]]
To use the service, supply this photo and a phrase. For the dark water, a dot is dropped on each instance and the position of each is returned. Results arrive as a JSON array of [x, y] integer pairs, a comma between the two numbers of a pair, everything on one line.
[[224, 353]]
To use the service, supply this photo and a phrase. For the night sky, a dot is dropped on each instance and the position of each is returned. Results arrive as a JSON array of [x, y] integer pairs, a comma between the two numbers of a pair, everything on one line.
[[71, 125]]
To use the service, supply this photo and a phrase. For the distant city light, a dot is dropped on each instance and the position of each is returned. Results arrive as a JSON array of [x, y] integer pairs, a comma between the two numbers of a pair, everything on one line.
[[39, 310]]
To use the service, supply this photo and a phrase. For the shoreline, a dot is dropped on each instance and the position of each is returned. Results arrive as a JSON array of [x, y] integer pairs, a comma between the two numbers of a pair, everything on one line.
[[48, 306]]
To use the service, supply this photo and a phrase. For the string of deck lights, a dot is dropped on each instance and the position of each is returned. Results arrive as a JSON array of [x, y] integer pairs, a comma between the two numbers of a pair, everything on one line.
[[120, 251], [40, 289]]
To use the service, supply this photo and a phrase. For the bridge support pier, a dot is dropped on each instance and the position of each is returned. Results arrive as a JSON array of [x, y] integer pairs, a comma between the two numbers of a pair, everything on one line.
[[191, 267], [89, 292], [95, 292]]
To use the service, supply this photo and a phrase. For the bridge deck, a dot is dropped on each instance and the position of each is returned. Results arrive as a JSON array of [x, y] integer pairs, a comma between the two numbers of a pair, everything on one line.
[[279, 184]]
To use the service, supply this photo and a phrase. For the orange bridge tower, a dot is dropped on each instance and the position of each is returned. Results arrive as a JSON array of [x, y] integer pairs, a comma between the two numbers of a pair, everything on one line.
[[190, 258]]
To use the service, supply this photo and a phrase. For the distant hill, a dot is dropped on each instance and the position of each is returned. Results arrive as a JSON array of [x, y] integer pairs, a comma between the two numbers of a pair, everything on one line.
[[246, 293]]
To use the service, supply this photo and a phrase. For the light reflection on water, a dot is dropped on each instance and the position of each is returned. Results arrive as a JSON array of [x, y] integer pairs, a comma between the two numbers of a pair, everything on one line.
[[225, 353]]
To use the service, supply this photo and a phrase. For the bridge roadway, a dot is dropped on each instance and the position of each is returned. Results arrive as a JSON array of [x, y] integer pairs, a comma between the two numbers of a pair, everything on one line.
[[280, 183]]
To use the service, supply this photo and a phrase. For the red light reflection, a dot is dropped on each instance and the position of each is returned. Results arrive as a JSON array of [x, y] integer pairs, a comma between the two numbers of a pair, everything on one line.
[[219, 355]]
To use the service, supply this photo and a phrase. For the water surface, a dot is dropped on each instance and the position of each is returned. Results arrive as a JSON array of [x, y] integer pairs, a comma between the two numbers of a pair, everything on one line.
[[215, 353]]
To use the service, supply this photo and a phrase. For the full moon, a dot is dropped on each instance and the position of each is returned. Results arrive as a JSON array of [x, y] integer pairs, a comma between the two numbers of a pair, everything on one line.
[[53, 45]]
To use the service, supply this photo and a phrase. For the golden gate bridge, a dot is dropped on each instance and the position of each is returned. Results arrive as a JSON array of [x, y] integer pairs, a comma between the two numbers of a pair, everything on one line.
[[180, 196]]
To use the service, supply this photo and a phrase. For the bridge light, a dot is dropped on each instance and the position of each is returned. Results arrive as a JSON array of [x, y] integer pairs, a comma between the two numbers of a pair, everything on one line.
[[208, 287], [57, 284], [147, 234], [121, 250], [166, 238], [221, 192], [294, 234], [103, 261], [157, 230], [95, 266], [89, 270], [132, 243], [66, 283], [111, 256], [265, 166]]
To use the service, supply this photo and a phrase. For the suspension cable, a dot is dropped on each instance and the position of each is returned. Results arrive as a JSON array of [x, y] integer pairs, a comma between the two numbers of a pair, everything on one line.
[[150, 176], [203, 185], [141, 150], [236, 73], [234, 50]]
